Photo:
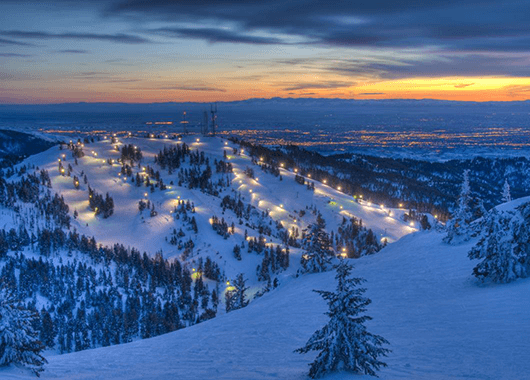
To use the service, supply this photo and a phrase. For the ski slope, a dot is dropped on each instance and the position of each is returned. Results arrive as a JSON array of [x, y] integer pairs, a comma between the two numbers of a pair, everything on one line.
[[283, 199], [441, 323]]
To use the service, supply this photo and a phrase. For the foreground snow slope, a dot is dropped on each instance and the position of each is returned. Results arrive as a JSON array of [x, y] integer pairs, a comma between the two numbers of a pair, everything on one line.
[[440, 322]]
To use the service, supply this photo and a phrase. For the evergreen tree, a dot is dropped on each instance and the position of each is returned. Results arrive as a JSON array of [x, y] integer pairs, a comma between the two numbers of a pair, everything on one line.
[[19, 342], [458, 226], [236, 297], [318, 248], [344, 344], [504, 248], [506, 195]]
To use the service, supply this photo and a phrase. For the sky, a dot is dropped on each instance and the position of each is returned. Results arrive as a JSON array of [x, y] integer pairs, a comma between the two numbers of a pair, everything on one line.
[[222, 50]]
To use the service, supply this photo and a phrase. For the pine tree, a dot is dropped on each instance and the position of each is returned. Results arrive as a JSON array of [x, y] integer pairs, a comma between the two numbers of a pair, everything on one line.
[[318, 248], [504, 248], [344, 344], [236, 298], [458, 226], [19, 343], [506, 195]]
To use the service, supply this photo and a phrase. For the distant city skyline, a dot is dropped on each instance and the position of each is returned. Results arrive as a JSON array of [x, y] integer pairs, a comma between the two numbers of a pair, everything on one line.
[[224, 50]]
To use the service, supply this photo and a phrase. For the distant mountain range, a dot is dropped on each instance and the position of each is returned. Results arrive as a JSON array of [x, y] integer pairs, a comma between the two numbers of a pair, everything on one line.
[[270, 103]]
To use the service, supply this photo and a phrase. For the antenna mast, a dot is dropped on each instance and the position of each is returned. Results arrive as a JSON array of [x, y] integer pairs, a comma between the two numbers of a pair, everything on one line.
[[184, 123], [213, 111]]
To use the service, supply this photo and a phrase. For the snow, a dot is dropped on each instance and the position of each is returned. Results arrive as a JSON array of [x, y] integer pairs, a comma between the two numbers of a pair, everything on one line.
[[127, 226], [440, 322]]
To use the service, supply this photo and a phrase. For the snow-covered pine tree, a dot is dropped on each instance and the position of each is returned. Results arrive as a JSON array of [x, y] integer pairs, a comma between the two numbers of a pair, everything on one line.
[[506, 195], [344, 343], [236, 298], [504, 249], [318, 248], [19, 343], [458, 226]]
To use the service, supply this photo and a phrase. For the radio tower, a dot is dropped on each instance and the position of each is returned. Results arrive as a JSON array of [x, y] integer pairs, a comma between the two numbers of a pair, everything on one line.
[[213, 111], [184, 123], [204, 126]]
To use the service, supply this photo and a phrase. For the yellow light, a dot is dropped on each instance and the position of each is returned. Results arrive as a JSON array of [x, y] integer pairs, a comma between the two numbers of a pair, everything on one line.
[[296, 170], [226, 143], [145, 195], [309, 175], [412, 224], [382, 206], [257, 179], [198, 140], [325, 181], [339, 188], [281, 206], [281, 165], [435, 216], [401, 205], [228, 283]]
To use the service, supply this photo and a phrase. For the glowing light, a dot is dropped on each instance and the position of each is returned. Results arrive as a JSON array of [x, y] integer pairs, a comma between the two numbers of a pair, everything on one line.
[[435, 216], [309, 176], [281, 165], [281, 206], [412, 224], [145, 195], [324, 181], [198, 140], [296, 170], [339, 188], [228, 283], [226, 143]]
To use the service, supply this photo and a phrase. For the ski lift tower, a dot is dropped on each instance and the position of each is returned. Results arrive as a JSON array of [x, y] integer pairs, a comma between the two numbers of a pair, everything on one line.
[[213, 111], [184, 123]]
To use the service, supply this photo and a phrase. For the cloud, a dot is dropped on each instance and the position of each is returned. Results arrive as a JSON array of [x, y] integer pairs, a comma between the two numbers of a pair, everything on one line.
[[14, 55], [213, 35], [3, 41], [117, 38], [319, 85], [371, 93], [192, 88], [72, 51], [441, 65], [494, 25], [463, 85]]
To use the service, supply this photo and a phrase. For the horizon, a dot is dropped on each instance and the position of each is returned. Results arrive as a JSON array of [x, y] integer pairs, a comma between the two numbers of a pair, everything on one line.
[[128, 51]]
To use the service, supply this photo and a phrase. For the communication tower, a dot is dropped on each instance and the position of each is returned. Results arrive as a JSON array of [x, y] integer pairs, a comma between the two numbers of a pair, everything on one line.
[[213, 111], [184, 123]]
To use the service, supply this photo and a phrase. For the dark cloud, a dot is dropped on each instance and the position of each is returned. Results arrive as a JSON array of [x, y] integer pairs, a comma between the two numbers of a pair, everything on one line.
[[466, 25], [72, 51], [213, 35], [318, 85], [3, 41], [14, 55], [371, 93], [35, 35]]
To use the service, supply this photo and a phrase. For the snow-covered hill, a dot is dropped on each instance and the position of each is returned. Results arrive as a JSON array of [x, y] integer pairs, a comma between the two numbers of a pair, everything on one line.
[[282, 199], [440, 322]]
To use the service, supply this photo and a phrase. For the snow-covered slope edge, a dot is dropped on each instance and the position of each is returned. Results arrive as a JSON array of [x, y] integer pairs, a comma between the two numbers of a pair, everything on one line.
[[441, 323]]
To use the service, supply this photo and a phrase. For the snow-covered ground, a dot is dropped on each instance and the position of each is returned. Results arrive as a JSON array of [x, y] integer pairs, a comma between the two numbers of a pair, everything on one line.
[[441, 323], [284, 199]]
